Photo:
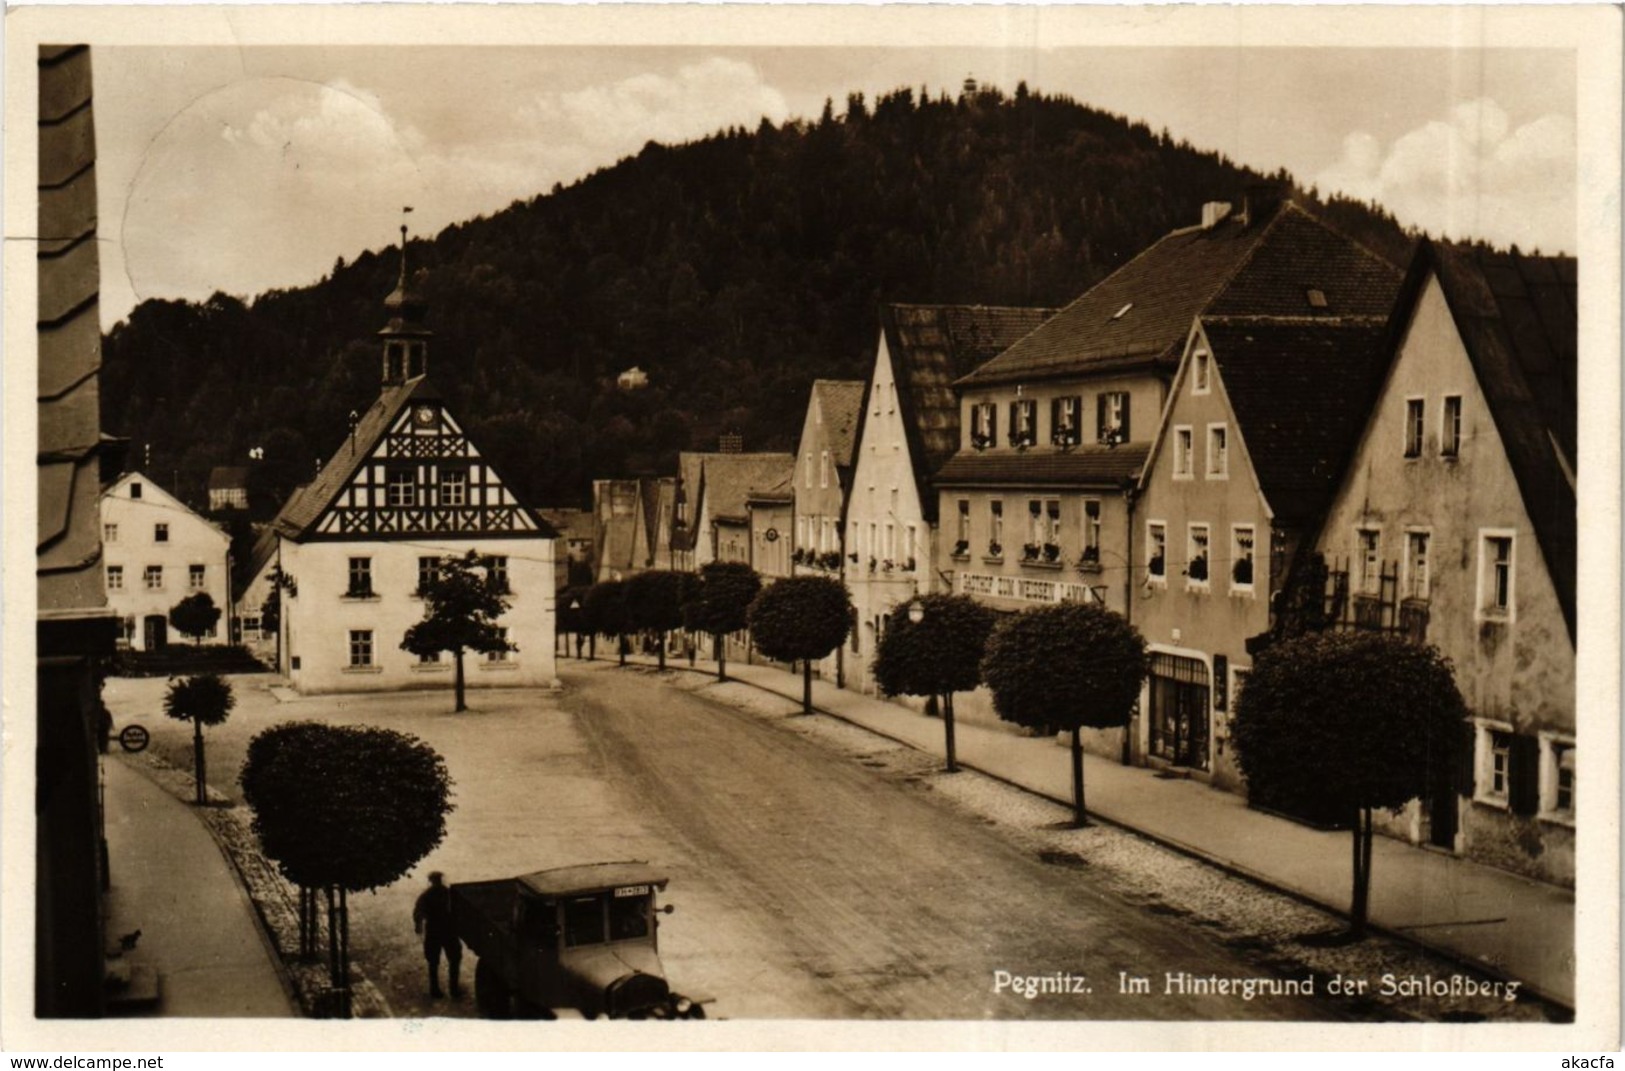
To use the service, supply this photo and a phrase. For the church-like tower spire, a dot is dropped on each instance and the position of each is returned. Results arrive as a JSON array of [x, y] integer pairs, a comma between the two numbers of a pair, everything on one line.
[[405, 338]]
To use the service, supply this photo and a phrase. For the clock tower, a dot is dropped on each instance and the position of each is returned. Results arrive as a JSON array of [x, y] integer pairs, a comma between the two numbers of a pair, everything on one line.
[[405, 338]]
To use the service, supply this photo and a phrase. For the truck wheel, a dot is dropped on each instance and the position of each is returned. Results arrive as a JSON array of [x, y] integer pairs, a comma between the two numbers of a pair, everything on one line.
[[697, 1012], [491, 994]]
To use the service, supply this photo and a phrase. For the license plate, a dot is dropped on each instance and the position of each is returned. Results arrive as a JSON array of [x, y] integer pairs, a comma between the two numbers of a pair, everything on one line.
[[633, 890]]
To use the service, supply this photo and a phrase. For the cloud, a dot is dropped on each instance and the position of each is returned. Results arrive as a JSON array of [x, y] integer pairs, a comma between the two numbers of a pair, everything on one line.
[[1470, 174], [697, 100]]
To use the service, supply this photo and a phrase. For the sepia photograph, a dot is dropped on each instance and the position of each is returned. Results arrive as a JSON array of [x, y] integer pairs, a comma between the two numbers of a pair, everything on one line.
[[795, 520]]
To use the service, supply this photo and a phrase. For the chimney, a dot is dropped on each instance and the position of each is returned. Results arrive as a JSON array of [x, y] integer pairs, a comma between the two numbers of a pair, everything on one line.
[[1213, 212], [1259, 203]]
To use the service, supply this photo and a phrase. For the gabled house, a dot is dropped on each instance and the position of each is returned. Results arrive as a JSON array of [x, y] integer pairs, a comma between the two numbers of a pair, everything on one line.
[[711, 503], [772, 513], [1456, 526], [909, 427], [157, 552], [228, 488], [632, 525], [406, 488], [1054, 432], [1262, 417], [829, 436], [573, 547]]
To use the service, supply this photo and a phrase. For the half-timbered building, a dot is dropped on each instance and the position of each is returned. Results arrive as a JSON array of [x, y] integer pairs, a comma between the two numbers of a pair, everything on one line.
[[406, 488]]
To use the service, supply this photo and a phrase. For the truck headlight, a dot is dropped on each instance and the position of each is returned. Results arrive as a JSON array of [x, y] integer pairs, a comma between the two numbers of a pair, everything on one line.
[[683, 1005]]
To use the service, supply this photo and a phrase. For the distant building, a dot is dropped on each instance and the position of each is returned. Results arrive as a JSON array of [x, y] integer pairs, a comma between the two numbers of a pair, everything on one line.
[[827, 449], [909, 428], [632, 525], [772, 513], [406, 488], [573, 557], [712, 521], [155, 553], [1456, 525], [633, 378], [228, 488]]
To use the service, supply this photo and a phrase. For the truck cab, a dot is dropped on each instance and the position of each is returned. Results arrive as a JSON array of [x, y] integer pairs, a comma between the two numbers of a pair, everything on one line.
[[582, 938]]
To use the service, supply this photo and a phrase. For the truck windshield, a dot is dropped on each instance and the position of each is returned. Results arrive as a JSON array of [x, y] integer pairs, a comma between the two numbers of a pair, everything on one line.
[[584, 921], [628, 917]]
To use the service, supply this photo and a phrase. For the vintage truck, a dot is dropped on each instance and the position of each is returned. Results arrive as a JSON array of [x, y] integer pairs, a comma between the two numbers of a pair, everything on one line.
[[572, 940]]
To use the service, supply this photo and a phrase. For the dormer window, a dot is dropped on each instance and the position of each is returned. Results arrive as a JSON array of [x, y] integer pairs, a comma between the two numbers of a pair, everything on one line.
[[983, 424], [1315, 297], [1023, 422], [1122, 312], [1064, 422]]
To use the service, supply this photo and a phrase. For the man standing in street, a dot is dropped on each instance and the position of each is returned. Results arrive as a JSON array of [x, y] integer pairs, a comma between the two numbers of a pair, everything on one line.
[[431, 917]]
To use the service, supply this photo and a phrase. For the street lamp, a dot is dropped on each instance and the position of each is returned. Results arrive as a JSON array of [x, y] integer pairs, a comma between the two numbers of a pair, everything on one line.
[[916, 610]]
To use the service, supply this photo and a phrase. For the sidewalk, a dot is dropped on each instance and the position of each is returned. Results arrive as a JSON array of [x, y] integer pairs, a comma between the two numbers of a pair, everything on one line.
[[1503, 923], [198, 928]]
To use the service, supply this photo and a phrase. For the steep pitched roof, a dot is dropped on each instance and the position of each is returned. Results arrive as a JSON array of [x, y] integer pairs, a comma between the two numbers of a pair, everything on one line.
[[228, 477], [1301, 393], [690, 486], [840, 401], [730, 478], [1517, 317], [931, 346], [301, 513], [1141, 313]]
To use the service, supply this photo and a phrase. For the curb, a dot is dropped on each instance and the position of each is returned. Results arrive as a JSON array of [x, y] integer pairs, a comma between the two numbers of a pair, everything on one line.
[[1453, 955]]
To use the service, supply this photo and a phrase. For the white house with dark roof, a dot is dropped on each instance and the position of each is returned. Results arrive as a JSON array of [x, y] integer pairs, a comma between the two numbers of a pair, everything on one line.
[[1456, 525], [1037, 501], [406, 488], [711, 499], [156, 552], [908, 428]]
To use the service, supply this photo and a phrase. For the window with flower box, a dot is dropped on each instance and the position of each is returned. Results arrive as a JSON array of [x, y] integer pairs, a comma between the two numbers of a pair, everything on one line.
[[1241, 558], [1196, 556], [1156, 552], [995, 528], [1023, 422], [1066, 421], [983, 425], [1111, 416], [1090, 555]]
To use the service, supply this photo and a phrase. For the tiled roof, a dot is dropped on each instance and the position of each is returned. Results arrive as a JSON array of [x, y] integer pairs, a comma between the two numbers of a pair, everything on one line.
[[228, 477], [570, 523], [1087, 466], [1141, 313], [841, 403], [729, 479], [68, 533], [1517, 318], [1301, 393], [930, 347]]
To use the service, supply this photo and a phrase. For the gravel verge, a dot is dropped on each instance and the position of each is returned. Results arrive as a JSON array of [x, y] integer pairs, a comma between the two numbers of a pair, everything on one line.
[[275, 899]]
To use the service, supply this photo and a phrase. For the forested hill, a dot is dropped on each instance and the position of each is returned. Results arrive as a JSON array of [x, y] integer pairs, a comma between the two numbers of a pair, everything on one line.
[[734, 270]]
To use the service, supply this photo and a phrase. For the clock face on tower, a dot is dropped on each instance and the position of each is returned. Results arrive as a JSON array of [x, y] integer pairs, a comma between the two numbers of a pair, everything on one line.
[[424, 415]]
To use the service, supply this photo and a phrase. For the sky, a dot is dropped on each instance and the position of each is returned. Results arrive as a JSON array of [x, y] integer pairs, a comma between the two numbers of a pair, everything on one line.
[[242, 169]]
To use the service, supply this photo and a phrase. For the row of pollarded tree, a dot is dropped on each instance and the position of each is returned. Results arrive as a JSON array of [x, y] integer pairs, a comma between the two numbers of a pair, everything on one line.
[[1362, 721]]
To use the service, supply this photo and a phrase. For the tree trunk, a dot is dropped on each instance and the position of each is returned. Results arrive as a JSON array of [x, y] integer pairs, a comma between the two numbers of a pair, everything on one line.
[[621, 644], [198, 772], [662, 650], [461, 706], [948, 730], [806, 686], [722, 657], [1080, 818], [592, 647], [1360, 901]]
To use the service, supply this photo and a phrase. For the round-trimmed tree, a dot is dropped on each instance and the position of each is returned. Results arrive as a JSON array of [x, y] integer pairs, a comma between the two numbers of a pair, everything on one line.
[[938, 656], [462, 600], [654, 603], [720, 603], [1351, 721], [341, 809], [202, 700], [195, 616], [801, 618], [1071, 665], [604, 610]]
